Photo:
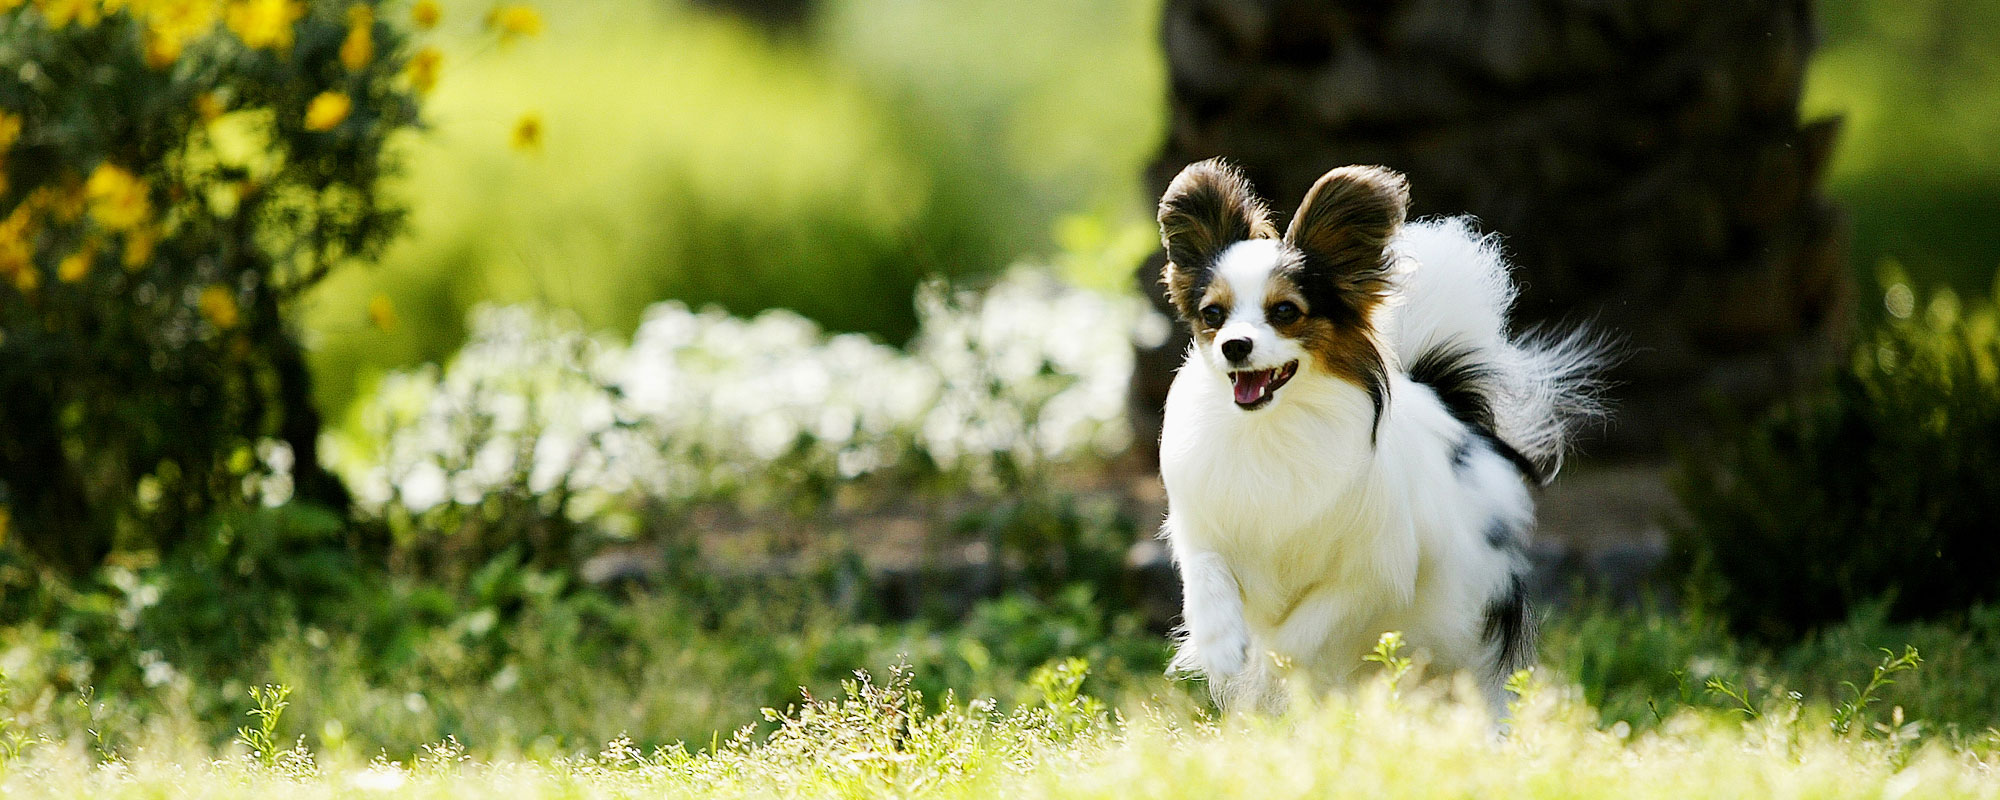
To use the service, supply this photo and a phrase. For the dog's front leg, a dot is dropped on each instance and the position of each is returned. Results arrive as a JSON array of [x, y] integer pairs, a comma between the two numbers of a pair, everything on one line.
[[1218, 640]]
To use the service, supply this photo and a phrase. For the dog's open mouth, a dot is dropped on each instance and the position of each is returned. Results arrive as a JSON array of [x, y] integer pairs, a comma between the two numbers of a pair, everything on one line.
[[1254, 387]]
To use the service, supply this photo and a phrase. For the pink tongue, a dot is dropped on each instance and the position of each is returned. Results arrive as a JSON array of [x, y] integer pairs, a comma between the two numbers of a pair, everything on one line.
[[1250, 385]]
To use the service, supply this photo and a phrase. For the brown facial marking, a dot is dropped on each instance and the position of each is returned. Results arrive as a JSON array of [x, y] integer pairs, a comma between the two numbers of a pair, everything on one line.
[[1341, 346], [1216, 293], [1342, 232], [1344, 351], [1284, 288], [1208, 207]]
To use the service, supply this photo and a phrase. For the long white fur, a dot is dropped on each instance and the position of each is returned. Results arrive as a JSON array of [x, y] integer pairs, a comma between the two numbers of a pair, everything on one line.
[[1299, 541], [1453, 287]]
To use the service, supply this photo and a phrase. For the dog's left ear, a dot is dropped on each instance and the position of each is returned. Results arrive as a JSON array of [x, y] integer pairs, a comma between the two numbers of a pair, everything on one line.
[[1344, 227]]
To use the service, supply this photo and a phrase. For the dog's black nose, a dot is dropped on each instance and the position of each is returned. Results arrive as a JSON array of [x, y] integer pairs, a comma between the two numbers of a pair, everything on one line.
[[1236, 350]]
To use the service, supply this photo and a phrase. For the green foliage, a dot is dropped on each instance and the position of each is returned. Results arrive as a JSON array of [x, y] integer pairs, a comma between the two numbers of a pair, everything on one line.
[[1641, 667], [687, 156], [1057, 539], [887, 738], [522, 660], [1885, 484], [255, 572], [176, 172], [1388, 652], [1918, 93], [1883, 677], [269, 711], [1736, 697], [12, 739]]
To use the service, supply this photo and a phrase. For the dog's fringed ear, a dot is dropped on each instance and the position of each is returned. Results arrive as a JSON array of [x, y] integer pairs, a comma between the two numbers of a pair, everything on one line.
[[1207, 208], [1345, 224]]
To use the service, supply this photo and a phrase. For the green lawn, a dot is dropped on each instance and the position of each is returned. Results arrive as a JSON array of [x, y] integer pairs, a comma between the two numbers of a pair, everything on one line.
[[583, 698], [882, 741]]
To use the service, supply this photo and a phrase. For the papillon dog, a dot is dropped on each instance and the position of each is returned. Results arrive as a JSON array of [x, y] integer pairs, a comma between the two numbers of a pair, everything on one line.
[[1349, 447]]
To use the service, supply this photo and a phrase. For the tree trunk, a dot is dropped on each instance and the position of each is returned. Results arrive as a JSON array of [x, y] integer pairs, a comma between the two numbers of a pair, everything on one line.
[[1644, 161]]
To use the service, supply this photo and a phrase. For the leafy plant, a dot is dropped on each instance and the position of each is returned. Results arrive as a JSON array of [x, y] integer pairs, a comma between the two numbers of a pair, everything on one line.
[[1885, 484], [12, 739], [173, 174], [1883, 676], [262, 739], [1521, 689], [1388, 652], [1738, 696]]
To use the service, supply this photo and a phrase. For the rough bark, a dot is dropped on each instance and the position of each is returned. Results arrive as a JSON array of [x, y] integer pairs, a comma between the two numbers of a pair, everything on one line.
[[1645, 162]]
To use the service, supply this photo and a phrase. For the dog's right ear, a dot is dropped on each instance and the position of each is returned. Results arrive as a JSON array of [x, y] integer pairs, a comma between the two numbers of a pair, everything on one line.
[[1207, 208]]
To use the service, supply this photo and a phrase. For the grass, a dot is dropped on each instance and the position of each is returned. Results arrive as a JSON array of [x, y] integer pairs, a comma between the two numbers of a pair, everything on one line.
[[545, 675], [888, 739], [513, 677]]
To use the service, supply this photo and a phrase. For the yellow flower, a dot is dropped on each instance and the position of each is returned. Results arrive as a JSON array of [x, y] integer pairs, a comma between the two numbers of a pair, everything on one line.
[[16, 248], [60, 13], [514, 21], [77, 265], [182, 19], [218, 306], [10, 129], [171, 24], [425, 13], [118, 200], [208, 106], [27, 279], [327, 110], [265, 24], [382, 313], [424, 69], [66, 202], [359, 46], [161, 52], [139, 244], [528, 131], [18, 227]]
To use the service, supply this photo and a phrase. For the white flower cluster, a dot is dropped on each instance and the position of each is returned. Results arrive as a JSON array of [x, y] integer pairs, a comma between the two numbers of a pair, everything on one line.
[[702, 405]]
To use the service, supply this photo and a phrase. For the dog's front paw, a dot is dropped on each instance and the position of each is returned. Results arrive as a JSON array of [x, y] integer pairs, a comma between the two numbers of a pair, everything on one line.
[[1222, 654]]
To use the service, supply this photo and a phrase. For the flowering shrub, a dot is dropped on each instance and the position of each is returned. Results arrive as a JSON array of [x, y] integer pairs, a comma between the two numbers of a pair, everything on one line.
[[172, 173], [534, 415]]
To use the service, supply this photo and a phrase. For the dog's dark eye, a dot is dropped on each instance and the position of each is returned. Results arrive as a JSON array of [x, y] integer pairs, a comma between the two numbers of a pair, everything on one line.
[[1284, 313], [1213, 316]]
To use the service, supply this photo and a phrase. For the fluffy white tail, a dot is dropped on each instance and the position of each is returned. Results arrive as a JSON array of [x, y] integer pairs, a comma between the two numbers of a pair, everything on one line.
[[1452, 297]]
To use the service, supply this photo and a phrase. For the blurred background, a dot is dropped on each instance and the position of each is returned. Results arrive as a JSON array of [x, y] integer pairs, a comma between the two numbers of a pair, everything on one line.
[[538, 373], [827, 158], [824, 159]]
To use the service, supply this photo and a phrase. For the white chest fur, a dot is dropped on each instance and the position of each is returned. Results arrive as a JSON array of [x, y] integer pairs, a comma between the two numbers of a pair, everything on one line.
[[1283, 493], [1300, 536]]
